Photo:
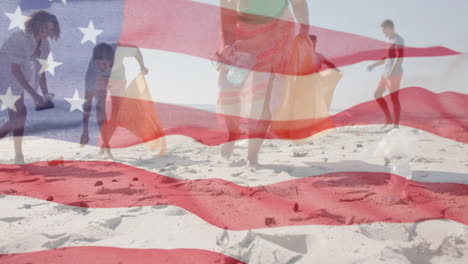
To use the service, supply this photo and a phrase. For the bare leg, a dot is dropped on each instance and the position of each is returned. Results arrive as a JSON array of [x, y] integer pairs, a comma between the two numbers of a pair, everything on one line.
[[230, 116], [163, 150], [396, 107], [5, 129], [19, 158], [18, 120], [101, 119], [111, 124], [257, 134], [232, 124], [383, 105]]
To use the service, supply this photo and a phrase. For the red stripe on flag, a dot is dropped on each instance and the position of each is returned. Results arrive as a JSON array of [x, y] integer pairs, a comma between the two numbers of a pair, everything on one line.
[[443, 114], [330, 199], [194, 28], [104, 255]]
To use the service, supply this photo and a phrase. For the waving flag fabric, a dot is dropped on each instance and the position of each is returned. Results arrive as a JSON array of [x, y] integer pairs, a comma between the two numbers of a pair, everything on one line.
[[67, 204]]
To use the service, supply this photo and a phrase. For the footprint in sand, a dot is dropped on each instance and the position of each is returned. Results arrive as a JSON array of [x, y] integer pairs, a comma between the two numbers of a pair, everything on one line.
[[160, 206], [386, 256], [380, 231], [51, 244], [11, 219], [174, 211], [239, 163], [134, 210], [112, 223], [54, 236], [237, 174]]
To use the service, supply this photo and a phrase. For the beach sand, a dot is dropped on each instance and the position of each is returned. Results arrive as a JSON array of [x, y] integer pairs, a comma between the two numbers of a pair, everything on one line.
[[44, 224]]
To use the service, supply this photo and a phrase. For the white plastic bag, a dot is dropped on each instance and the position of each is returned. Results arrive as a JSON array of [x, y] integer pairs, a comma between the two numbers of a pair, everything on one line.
[[398, 143]]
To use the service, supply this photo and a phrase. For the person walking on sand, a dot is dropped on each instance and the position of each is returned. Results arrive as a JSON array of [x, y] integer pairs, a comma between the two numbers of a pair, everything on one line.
[[252, 31], [393, 73]]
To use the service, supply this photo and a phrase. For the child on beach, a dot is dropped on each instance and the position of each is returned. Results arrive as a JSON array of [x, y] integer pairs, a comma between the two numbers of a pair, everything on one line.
[[106, 75], [20, 71]]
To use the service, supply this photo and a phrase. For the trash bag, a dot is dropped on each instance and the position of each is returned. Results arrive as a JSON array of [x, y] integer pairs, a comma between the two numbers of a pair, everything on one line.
[[396, 144], [138, 115], [304, 101], [398, 147]]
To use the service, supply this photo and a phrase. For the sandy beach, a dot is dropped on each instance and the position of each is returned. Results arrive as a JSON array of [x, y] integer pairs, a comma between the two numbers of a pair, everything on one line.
[[30, 224]]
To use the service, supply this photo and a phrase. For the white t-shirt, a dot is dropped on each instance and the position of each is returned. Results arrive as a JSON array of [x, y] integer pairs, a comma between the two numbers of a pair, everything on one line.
[[19, 49]]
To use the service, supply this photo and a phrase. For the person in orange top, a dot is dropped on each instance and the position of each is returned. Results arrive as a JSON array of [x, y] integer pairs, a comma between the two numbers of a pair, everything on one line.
[[256, 33]]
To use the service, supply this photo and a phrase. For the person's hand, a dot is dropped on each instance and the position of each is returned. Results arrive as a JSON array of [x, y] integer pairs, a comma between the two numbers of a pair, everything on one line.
[[370, 68], [304, 30], [38, 100], [144, 70], [48, 97], [226, 53], [388, 83]]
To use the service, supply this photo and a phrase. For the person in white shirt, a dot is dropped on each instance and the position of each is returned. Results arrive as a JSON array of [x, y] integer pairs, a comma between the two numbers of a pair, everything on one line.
[[20, 71]]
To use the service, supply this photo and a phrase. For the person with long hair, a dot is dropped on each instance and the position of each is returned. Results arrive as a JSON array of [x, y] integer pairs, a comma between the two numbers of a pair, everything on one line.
[[20, 71]]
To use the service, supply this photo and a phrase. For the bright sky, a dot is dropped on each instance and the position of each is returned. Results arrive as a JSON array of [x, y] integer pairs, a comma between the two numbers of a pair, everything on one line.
[[182, 79], [422, 23]]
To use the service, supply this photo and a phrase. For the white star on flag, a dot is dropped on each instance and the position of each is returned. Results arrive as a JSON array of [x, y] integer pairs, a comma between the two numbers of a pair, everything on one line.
[[90, 33], [49, 64], [16, 19], [63, 1], [9, 100], [76, 103]]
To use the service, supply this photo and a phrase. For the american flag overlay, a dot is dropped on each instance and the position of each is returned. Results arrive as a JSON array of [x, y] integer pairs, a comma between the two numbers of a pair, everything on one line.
[[233, 131]]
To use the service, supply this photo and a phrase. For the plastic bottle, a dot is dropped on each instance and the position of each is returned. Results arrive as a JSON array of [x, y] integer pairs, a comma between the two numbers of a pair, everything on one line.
[[237, 75], [402, 168]]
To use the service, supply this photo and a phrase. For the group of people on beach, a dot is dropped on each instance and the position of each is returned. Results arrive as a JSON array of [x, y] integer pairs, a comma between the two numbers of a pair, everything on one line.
[[262, 30], [21, 71], [251, 28]]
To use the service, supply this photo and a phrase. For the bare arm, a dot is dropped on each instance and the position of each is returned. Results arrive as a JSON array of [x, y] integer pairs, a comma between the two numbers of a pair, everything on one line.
[[90, 87], [301, 12], [139, 58], [87, 109], [328, 63], [19, 76], [128, 51], [228, 21], [377, 63], [43, 84]]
